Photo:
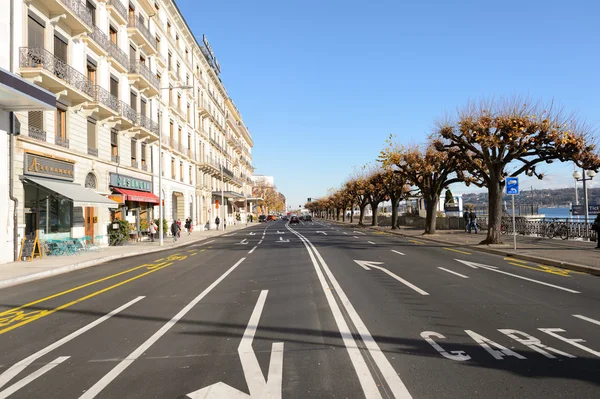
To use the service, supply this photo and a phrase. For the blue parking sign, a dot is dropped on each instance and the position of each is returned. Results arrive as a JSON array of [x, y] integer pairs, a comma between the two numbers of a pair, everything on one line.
[[512, 185]]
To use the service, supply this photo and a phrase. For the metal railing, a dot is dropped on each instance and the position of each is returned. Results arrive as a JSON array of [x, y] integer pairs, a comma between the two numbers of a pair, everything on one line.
[[114, 158], [36, 133], [100, 37], [548, 227], [174, 144], [80, 10], [38, 57], [61, 141], [228, 172], [119, 55], [182, 148], [139, 68], [147, 123], [139, 23], [126, 111], [134, 164], [104, 97], [144, 166], [119, 7], [93, 151]]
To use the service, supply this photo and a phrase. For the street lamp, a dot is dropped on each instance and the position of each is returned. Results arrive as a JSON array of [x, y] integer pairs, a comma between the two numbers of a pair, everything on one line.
[[160, 166], [578, 176], [222, 200]]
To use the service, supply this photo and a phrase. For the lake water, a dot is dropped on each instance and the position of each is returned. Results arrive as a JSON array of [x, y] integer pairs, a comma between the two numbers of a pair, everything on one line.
[[561, 213]]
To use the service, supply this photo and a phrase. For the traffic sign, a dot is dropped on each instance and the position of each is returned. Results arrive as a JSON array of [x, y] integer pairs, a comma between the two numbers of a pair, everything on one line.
[[512, 185]]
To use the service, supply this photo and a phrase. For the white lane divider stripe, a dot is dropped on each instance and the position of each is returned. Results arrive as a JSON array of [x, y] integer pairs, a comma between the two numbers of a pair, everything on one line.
[[119, 368], [36, 374], [371, 242], [18, 367], [397, 252], [355, 236], [252, 250], [587, 319], [260, 242], [450, 271], [388, 372]]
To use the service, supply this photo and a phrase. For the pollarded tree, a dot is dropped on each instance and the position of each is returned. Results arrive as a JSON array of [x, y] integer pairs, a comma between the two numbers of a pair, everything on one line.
[[360, 188], [429, 170], [376, 191], [497, 139], [397, 189]]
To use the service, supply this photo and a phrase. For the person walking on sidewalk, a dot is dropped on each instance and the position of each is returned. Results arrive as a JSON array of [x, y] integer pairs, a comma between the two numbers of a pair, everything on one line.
[[188, 225], [596, 228], [152, 229], [467, 219], [217, 222], [175, 230], [473, 223]]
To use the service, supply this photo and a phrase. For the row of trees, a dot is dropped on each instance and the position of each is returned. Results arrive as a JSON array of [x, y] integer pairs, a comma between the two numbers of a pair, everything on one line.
[[485, 143], [271, 199]]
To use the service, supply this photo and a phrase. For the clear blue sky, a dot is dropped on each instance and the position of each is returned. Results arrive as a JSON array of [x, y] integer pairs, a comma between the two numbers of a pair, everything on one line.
[[322, 84]]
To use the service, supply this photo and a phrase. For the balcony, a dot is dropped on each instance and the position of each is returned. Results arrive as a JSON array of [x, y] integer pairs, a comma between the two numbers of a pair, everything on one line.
[[140, 34], [126, 116], [36, 133], [93, 151], [118, 11], [144, 166], [208, 166], [148, 127], [203, 108], [134, 164], [61, 141], [141, 75], [114, 158], [104, 103], [77, 17], [40, 66], [100, 43]]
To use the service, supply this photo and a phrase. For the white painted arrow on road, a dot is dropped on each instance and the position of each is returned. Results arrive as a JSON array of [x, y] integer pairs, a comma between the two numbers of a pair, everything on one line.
[[279, 232], [244, 241], [251, 234], [495, 269], [368, 265], [282, 240], [257, 385], [321, 232]]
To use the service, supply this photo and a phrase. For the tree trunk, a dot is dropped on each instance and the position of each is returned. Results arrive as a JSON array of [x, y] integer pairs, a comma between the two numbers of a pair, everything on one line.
[[375, 208], [361, 208], [344, 214], [395, 203], [352, 214], [495, 192], [337, 216], [431, 209]]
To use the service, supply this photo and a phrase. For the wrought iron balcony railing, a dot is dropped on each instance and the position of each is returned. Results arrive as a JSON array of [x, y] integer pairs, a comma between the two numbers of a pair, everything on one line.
[[147, 123], [93, 151], [114, 158], [79, 9], [139, 68], [37, 57], [36, 133], [119, 7], [127, 112], [139, 23], [144, 166], [104, 97], [134, 164], [61, 141]]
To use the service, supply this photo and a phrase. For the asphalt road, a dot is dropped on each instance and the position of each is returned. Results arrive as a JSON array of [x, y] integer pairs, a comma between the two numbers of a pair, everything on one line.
[[314, 310]]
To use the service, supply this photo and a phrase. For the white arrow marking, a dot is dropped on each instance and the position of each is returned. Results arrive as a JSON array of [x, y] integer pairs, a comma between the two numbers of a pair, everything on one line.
[[229, 235], [371, 242], [368, 265], [359, 232], [251, 234], [321, 232], [355, 236], [345, 232], [450, 271], [587, 319], [244, 241], [36, 374], [279, 232], [258, 387], [397, 252], [282, 240], [495, 269], [18, 367]]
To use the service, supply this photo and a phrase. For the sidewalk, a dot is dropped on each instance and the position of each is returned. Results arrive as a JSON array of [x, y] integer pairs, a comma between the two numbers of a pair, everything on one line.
[[20, 272], [575, 255]]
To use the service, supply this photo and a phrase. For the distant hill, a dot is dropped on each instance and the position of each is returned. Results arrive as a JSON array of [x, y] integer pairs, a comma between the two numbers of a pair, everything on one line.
[[558, 197]]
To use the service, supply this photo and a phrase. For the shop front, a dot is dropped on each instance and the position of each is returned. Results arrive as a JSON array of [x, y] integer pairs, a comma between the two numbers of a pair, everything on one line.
[[54, 206], [136, 202]]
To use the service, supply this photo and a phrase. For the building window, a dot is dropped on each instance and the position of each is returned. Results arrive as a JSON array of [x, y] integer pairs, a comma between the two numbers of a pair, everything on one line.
[[178, 101], [171, 130], [178, 70], [92, 8], [143, 156], [114, 145], [169, 28], [173, 168], [181, 171], [134, 153], [179, 135], [35, 120], [92, 137], [114, 87], [187, 79], [189, 114], [61, 124], [158, 42], [90, 181], [91, 72], [133, 100], [112, 33], [190, 175], [60, 49]]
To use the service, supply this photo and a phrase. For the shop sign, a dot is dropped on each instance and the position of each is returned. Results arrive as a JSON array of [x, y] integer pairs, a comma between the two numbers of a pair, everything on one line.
[[121, 181], [39, 165], [118, 198]]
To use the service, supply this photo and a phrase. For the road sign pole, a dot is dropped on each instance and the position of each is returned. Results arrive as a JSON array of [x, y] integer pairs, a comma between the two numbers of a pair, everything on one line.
[[514, 224]]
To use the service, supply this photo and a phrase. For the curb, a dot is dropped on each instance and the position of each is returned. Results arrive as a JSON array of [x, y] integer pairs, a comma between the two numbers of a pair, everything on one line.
[[550, 262], [95, 262]]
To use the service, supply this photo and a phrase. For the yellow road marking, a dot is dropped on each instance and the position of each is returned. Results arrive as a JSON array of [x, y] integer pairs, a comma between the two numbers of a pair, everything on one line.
[[456, 250], [417, 242], [44, 313], [545, 269], [202, 250], [193, 254], [515, 260]]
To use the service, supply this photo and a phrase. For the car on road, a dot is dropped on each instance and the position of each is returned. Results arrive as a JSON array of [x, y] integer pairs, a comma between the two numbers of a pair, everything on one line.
[[271, 217], [308, 218], [262, 218], [294, 220]]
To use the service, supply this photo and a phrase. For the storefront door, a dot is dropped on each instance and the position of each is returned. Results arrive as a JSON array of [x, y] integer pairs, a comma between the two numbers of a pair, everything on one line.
[[31, 223], [89, 222]]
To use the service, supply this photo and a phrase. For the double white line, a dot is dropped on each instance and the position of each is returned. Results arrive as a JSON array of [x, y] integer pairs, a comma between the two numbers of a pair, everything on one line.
[[366, 379]]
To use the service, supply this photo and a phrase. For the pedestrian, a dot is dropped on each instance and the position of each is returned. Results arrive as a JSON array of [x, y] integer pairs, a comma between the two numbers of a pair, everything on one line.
[[473, 222], [175, 228], [188, 225], [217, 222], [596, 228], [179, 226], [467, 219], [152, 229], [225, 224]]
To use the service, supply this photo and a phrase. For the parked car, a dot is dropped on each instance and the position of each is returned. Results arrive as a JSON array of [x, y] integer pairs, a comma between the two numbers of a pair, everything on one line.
[[294, 220], [308, 218], [262, 218], [271, 217]]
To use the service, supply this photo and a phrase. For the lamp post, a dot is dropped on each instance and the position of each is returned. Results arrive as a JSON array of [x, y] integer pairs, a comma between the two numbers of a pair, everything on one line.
[[578, 176], [160, 166], [222, 200]]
